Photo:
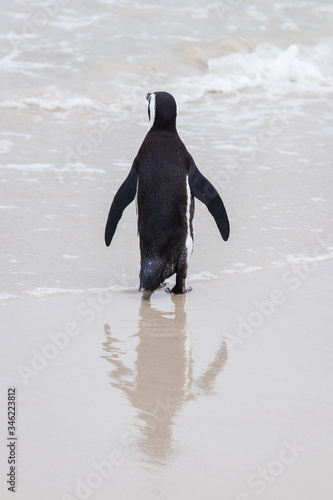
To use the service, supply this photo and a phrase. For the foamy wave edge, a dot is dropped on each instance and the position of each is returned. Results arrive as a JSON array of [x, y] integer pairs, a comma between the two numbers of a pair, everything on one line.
[[203, 276], [298, 66], [62, 104], [7, 297], [46, 292]]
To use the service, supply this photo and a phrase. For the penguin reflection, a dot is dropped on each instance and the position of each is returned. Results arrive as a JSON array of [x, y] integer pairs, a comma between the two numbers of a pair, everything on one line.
[[164, 373]]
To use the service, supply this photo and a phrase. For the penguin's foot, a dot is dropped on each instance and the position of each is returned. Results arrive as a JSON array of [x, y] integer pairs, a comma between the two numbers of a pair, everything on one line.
[[146, 295], [178, 292]]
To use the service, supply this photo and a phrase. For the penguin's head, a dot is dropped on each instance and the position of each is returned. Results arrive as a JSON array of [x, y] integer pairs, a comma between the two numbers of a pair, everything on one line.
[[162, 111]]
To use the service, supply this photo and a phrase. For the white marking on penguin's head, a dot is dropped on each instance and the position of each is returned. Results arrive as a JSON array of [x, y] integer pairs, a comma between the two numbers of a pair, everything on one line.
[[151, 98]]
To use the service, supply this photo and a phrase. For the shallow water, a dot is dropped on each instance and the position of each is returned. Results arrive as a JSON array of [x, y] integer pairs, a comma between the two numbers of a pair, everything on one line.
[[255, 110], [254, 86]]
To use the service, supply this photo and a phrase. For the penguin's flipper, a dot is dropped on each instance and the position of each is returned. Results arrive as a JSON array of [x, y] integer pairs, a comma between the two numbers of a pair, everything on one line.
[[124, 196], [204, 191]]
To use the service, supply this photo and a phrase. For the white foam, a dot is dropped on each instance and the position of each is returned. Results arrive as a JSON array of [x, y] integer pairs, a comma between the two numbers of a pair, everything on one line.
[[246, 270], [291, 259], [17, 134], [51, 103], [278, 264], [203, 276], [31, 167], [7, 296], [114, 288], [5, 145], [266, 66], [43, 167], [251, 269], [45, 291], [70, 23]]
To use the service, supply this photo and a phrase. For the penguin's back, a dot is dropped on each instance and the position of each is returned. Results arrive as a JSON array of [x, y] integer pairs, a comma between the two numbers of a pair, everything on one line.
[[162, 164]]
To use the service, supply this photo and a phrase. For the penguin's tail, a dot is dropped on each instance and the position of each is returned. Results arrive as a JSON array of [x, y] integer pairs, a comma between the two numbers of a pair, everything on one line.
[[151, 274]]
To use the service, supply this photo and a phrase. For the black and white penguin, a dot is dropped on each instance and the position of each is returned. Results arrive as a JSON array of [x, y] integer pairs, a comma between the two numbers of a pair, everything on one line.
[[166, 180]]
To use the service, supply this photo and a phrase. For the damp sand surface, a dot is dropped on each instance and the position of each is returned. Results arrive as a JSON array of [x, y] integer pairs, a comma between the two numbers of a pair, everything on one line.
[[185, 396]]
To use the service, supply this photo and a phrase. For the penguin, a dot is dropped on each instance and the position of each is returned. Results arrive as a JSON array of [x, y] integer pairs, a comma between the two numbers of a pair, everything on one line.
[[165, 180]]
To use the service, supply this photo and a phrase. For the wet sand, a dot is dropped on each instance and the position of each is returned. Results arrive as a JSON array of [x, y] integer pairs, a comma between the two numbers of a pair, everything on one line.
[[177, 396]]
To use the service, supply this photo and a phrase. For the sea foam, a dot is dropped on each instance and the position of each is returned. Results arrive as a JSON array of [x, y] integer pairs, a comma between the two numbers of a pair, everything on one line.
[[267, 66]]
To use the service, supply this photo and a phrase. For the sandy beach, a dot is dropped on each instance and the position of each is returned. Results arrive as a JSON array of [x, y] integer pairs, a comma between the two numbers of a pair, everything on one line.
[[161, 391], [225, 392]]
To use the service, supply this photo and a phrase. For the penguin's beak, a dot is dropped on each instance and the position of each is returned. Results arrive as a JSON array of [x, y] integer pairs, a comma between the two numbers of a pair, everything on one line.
[[148, 95]]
